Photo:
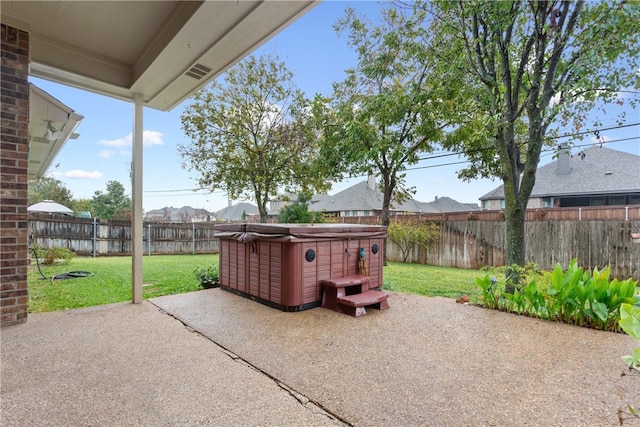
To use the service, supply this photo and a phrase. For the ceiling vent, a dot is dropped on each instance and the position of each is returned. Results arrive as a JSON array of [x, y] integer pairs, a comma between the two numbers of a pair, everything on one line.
[[198, 71]]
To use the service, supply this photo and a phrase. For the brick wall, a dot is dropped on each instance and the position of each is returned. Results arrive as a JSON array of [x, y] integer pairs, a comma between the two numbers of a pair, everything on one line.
[[14, 160]]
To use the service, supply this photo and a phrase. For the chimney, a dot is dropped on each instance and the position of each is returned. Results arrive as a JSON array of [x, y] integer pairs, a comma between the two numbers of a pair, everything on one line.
[[564, 156], [371, 182]]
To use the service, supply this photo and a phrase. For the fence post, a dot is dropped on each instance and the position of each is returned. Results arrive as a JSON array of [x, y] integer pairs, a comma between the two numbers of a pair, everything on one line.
[[95, 239], [626, 213], [149, 238], [193, 238], [579, 214]]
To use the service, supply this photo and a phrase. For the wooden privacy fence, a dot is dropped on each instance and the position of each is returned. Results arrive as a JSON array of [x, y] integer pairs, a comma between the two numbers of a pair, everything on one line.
[[586, 213], [474, 244], [93, 237], [596, 236]]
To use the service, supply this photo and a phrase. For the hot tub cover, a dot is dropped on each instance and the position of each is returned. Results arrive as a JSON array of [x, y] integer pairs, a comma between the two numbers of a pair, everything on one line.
[[297, 232]]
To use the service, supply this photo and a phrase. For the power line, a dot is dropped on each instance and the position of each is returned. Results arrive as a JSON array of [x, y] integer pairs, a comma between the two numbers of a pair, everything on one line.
[[547, 150], [445, 154], [555, 137]]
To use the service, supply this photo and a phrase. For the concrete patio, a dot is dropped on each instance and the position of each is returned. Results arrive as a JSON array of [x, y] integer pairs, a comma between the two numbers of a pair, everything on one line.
[[211, 357]]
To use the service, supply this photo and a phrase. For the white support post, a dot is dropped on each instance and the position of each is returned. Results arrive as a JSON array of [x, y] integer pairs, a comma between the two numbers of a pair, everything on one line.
[[136, 189]]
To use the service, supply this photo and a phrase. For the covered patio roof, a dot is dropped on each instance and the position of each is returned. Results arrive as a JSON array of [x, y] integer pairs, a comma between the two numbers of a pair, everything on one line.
[[164, 50]]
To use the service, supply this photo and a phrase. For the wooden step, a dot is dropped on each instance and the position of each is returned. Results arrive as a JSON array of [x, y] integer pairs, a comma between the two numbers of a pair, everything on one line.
[[341, 282], [363, 299]]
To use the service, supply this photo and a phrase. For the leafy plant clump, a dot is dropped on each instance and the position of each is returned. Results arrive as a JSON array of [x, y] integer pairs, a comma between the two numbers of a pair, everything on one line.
[[577, 297], [412, 233], [57, 255], [207, 277], [630, 323]]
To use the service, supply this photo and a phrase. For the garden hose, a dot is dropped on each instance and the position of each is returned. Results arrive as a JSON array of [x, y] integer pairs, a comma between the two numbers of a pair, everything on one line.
[[60, 276], [35, 254]]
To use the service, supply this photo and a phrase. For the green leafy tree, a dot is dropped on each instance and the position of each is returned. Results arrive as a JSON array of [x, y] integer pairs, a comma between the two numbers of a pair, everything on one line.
[[298, 213], [114, 204], [81, 205], [407, 235], [519, 71], [48, 188], [388, 110], [248, 134]]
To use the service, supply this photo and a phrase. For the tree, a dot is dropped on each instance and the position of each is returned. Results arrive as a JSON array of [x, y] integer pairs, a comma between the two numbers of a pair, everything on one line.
[[298, 213], [519, 71], [388, 110], [48, 188], [247, 134], [81, 205], [114, 204], [411, 233]]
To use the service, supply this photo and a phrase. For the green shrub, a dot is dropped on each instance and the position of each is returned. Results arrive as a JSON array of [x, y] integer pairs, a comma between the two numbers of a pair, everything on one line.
[[54, 255], [575, 296], [207, 277], [630, 323]]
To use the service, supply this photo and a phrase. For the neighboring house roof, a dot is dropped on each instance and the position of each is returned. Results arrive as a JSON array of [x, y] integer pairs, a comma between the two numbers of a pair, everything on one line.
[[180, 214], [599, 171], [447, 204], [360, 197], [235, 212]]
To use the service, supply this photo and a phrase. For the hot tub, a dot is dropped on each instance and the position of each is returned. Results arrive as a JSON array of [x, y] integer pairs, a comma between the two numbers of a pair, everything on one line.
[[281, 265]]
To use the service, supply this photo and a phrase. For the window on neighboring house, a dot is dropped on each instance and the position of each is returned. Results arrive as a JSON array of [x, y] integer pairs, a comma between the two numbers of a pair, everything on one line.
[[485, 205], [616, 200], [547, 202], [354, 213], [634, 199], [502, 204], [366, 213], [596, 201]]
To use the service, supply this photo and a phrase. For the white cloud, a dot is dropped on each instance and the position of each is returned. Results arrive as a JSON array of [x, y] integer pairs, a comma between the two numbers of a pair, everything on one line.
[[105, 154], [149, 138], [81, 174]]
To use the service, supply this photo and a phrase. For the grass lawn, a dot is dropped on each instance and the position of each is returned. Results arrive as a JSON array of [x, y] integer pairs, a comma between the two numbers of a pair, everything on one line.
[[111, 280], [173, 274], [432, 281]]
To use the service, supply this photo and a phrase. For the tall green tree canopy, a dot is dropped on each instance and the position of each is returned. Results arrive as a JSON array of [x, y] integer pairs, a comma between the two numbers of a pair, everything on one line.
[[518, 71], [389, 109], [112, 204], [298, 212], [48, 188], [248, 134]]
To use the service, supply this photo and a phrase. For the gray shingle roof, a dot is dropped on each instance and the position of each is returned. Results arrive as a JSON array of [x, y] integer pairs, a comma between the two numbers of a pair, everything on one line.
[[601, 171], [236, 211], [185, 213], [360, 197], [447, 204]]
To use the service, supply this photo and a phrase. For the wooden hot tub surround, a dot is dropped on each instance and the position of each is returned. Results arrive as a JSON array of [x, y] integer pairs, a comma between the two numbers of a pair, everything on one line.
[[283, 265]]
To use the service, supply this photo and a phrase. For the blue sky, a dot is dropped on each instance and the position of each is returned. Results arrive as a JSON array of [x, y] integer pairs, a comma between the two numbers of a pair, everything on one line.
[[317, 56]]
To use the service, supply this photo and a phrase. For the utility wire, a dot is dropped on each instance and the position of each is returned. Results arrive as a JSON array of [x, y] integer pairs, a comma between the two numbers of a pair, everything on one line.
[[444, 154], [547, 150], [594, 131]]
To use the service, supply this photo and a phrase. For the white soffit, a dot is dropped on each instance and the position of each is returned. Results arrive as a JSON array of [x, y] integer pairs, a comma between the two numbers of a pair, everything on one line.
[[47, 113]]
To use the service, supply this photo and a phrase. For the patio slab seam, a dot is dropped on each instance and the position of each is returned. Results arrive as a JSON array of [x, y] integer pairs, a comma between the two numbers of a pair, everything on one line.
[[309, 404]]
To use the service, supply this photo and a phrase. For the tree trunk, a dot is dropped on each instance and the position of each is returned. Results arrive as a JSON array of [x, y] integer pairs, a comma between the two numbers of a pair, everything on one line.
[[514, 245], [386, 203]]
